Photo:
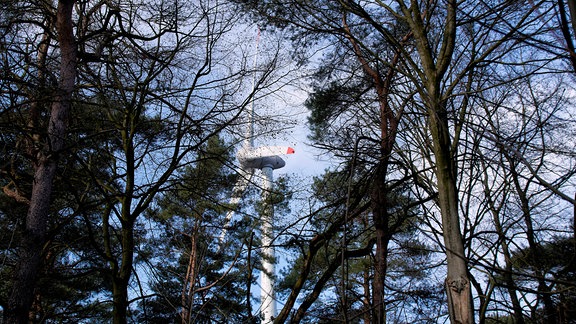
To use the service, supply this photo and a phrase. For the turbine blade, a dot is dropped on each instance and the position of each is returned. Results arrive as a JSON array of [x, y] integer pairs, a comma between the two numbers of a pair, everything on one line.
[[244, 178]]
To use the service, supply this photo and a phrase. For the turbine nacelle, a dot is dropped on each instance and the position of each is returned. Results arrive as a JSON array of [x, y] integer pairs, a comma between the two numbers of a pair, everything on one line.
[[261, 157]]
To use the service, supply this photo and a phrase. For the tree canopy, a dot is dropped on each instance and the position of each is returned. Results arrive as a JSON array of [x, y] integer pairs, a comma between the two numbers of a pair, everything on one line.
[[448, 126]]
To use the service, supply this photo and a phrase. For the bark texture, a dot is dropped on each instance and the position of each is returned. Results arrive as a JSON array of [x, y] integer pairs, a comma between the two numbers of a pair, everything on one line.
[[434, 66], [34, 237]]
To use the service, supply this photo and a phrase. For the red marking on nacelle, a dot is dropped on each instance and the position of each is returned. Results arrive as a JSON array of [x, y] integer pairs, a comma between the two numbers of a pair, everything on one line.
[[290, 151]]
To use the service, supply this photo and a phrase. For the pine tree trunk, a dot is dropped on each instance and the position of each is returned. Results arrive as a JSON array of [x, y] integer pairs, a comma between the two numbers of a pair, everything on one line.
[[119, 300], [366, 300], [122, 276], [187, 295], [381, 225], [35, 232]]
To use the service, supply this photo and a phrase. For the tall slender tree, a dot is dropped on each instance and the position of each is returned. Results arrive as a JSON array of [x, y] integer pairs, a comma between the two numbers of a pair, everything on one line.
[[46, 151]]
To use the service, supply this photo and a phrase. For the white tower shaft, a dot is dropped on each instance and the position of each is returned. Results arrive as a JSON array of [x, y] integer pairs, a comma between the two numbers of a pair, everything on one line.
[[266, 159], [267, 293]]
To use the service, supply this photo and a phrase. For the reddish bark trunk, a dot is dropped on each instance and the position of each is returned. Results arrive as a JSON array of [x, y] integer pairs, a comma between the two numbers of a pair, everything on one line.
[[35, 232], [381, 224]]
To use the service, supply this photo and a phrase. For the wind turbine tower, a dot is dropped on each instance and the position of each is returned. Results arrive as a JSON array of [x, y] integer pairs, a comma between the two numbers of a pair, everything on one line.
[[266, 159]]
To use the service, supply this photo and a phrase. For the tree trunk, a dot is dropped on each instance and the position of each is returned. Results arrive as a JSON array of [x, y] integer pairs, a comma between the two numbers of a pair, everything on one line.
[[119, 300], [381, 225], [121, 277], [187, 295], [434, 66], [366, 300], [508, 278], [308, 259], [35, 232], [545, 293], [457, 283], [379, 194]]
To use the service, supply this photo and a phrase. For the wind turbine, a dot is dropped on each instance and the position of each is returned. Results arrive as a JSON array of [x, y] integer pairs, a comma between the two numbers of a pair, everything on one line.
[[266, 159]]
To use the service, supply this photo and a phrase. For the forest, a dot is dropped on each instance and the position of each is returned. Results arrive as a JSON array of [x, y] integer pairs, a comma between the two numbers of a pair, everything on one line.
[[443, 188]]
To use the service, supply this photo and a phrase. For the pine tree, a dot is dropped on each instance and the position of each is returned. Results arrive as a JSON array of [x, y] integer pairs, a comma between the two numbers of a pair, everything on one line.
[[196, 280]]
